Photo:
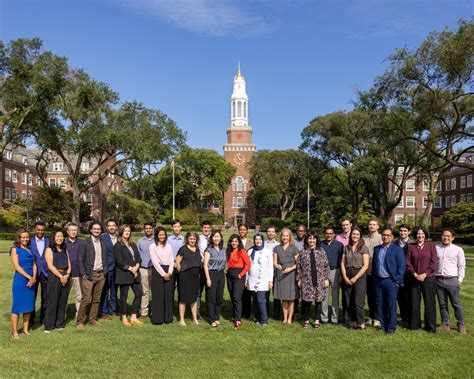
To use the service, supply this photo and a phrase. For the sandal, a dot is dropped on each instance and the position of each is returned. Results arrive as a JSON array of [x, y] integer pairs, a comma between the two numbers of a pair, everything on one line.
[[317, 326], [306, 324]]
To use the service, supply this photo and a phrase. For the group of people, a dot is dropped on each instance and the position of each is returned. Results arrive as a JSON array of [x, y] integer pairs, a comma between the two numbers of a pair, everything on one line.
[[299, 270]]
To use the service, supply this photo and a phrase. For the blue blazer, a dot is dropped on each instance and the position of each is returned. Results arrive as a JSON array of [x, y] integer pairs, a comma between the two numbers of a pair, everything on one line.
[[109, 251], [41, 264], [394, 262]]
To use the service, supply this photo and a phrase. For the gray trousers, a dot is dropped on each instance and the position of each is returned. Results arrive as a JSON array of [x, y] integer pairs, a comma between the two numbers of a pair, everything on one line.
[[334, 290], [448, 288]]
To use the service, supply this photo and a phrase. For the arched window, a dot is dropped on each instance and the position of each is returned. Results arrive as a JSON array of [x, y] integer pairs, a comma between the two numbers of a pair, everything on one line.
[[245, 109], [239, 181], [233, 109], [239, 109]]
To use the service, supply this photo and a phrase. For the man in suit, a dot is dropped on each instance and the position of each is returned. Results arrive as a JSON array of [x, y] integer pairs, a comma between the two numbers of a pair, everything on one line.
[[206, 229], [404, 302], [39, 243], [108, 301], [92, 270], [388, 268]]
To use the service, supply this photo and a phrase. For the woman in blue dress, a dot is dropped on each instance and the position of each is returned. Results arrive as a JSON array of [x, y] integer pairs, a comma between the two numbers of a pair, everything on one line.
[[24, 281]]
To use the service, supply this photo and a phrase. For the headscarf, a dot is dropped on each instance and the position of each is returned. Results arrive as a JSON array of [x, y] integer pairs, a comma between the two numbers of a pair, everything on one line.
[[255, 247]]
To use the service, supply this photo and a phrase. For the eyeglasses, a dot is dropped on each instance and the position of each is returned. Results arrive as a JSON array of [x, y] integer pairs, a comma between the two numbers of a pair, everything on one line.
[[387, 235]]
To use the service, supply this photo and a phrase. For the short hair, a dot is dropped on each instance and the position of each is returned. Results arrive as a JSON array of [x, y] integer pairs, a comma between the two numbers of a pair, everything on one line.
[[244, 225], [287, 230], [52, 242], [18, 234], [450, 230], [205, 222], [214, 232], [120, 234], [311, 233], [301, 225], [175, 221], [271, 227], [328, 227], [387, 228], [40, 223], [417, 229], [361, 240], [111, 220], [157, 231], [71, 225], [149, 223], [406, 226], [91, 225], [345, 219], [374, 219], [190, 233]]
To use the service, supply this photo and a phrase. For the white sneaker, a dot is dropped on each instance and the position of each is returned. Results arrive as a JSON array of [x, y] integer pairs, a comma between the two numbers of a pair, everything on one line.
[[47, 331], [377, 324]]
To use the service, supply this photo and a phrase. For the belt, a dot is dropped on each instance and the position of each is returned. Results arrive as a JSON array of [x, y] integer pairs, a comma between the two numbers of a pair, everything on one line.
[[333, 267]]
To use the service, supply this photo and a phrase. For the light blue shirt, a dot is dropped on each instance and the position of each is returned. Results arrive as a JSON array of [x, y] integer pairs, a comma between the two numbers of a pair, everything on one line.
[[143, 246], [381, 266], [270, 245], [176, 242], [40, 246]]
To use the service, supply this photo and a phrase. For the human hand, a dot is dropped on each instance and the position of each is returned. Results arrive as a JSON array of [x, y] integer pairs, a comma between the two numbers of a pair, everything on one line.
[[326, 283], [208, 283], [270, 285], [353, 280], [347, 281], [299, 283]]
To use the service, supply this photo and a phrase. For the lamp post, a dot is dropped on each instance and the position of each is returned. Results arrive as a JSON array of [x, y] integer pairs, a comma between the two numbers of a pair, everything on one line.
[[27, 171], [174, 209]]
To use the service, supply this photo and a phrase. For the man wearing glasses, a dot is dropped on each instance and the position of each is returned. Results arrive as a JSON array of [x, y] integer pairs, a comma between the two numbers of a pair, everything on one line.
[[388, 268]]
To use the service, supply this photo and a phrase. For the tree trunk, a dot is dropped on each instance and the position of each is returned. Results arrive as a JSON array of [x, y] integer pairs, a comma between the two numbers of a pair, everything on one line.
[[76, 210]]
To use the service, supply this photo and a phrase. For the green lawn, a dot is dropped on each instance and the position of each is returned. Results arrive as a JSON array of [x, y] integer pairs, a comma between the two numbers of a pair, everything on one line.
[[111, 350]]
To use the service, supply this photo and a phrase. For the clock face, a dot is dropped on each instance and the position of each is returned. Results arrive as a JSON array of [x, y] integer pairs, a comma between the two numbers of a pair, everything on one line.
[[239, 159]]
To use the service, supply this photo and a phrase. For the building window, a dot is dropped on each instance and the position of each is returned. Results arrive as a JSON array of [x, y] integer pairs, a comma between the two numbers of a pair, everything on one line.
[[453, 199], [38, 181], [8, 175], [239, 109], [462, 198], [240, 201], [233, 109], [245, 109], [453, 183], [23, 178], [426, 185], [14, 194], [239, 183], [398, 219], [8, 155], [469, 197], [85, 166], [447, 201], [25, 160], [469, 181], [425, 201], [8, 193], [216, 204], [62, 183], [400, 204], [30, 179], [462, 182], [437, 202], [52, 182], [410, 201], [14, 176], [447, 184], [439, 185], [410, 185], [58, 166]]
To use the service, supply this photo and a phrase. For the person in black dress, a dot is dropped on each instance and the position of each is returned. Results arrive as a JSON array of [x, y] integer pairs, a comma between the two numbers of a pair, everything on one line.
[[188, 264], [127, 274], [59, 282]]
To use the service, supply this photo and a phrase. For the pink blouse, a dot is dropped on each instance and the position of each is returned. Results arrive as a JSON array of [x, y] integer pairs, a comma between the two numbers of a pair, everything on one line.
[[162, 256]]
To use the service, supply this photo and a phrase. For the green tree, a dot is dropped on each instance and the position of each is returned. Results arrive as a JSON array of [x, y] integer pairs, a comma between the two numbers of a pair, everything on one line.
[[128, 210], [280, 177], [460, 217]]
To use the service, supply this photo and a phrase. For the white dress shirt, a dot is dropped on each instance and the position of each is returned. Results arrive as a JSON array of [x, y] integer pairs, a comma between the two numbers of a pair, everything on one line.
[[451, 261]]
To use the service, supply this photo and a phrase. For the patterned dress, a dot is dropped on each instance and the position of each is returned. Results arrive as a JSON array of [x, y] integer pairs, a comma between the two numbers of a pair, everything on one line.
[[308, 291]]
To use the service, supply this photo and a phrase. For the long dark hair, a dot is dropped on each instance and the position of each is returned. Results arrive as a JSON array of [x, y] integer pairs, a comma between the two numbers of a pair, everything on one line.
[[52, 242], [120, 238], [312, 233], [18, 234], [230, 249], [214, 232], [157, 231], [361, 241]]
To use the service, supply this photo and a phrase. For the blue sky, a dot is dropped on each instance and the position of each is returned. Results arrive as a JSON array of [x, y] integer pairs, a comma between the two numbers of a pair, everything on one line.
[[300, 58]]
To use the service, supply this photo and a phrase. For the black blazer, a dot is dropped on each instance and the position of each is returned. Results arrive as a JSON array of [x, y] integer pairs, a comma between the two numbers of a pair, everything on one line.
[[86, 258], [123, 260]]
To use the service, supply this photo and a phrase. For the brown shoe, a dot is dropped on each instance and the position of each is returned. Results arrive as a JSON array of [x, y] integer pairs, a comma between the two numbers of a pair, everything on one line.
[[106, 318], [462, 329], [125, 322], [136, 322], [93, 323], [80, 327], [444, 328], [143, 318]]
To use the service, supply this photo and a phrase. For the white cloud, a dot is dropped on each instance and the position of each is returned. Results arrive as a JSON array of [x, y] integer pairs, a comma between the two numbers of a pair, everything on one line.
[[213, 17]]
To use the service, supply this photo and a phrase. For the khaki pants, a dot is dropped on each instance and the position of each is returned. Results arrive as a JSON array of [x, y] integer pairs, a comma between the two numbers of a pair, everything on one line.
[[145, 301], [91, 292], [76, 283]]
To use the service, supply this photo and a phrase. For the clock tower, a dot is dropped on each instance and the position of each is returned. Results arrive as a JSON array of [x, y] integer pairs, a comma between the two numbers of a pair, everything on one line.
[[238, 151]]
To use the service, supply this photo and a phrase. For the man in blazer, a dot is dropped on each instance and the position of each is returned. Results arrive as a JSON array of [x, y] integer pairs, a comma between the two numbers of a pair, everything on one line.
[[92, 259], [108, 301], [388, 268], [38, 245], [404, 302]]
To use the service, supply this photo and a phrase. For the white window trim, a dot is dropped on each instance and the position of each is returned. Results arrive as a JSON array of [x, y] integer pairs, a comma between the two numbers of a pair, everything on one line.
[[407, 201]]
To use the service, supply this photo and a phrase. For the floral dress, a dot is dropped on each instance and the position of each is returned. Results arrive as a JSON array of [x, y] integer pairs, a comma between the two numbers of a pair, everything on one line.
[[309, 292]]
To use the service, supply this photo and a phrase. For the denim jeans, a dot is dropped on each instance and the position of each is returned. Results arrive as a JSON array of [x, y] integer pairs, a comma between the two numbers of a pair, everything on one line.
[[260, 306]]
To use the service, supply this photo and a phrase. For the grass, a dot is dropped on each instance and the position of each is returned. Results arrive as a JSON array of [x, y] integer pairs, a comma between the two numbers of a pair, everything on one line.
[[111, 350]]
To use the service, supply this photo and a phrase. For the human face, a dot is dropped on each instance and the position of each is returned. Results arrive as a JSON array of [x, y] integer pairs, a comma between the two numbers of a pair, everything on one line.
[[258, 241], [216, 239], [420, 236], [271, 233], [72, 232], [312, 241], [192, 241], [329, 233], [96, 230], [39, 231], [162, 236], [373, 226], [176, 229], [111, 227], [206, 230], [148, 229], [285, 238], [403, 233], [387, 237], [59, 238], [24, 238], [234, 243], [355, 235], [346, 226], [126, 233], [447, 238], [243, 232], [300, 232]]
